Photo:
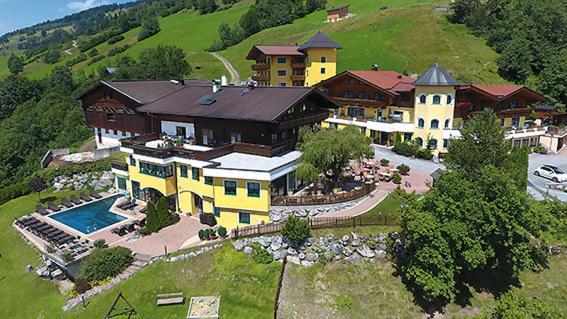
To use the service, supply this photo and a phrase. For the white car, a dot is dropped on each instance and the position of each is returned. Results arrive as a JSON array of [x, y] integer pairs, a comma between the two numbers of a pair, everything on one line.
[[553, 173]]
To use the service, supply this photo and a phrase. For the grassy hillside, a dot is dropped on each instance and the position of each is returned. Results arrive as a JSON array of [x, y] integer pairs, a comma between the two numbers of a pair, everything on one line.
[[404, 35]]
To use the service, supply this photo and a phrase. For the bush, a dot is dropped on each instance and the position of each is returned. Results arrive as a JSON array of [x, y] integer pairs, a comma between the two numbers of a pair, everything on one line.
[[424, 153], [384, 162], [262, 256], [115, 39], [67, 255], [158, 216], [50, 173], [202, 234], [296, 230], [101, 264], [405, 148], [99, 243], [117, 50], [81, 285], [222, 232], [397, 179], [14, 191], [404, 169], [95, 59]]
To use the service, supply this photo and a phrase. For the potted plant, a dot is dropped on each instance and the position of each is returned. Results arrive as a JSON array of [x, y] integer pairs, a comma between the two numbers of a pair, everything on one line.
[[384, 162], [397, 179], [222, 232], [404, 169]]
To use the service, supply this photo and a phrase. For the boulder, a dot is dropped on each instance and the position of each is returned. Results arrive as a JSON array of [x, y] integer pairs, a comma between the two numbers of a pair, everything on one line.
[[28, 268], [276, 243], [313, 213], [380, 254], [264, 241], [294, 259], [382, 246], [280, 254], [302, 213], [355, 259], [301, 255], [307, 263], [336, 248], [311, 257], [345, 238], [365, 252], [238, 244], [347, 251], [355, 242], [291, 251], [248, 250]]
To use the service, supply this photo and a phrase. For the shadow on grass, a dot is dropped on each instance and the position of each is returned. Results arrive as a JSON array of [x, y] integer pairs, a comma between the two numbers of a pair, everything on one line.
[[44, 200]]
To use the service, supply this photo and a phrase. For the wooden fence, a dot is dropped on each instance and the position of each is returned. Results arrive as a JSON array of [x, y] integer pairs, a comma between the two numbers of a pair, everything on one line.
[[356, 193], [316, 223]]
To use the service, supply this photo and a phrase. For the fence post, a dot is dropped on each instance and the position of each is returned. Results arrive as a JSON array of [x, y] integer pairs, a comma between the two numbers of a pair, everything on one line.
[[354, 222]]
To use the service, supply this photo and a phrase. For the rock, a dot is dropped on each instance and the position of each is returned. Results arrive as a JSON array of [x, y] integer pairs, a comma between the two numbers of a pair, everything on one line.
[[345, 238], [301, 256], [365, 252], [276, 243], [311, 257], [382, 247], [43, 272], [238, 244], [276, 217], [264, 241], [313, 213], [294, 259], [307, 263], [380, 254], [303, 213], [280, 254], [28, 268], [347, 251], [382, 237], [355, 236], [291, 251], [248, 250], [355, 259], [355, 243], [336, 248]]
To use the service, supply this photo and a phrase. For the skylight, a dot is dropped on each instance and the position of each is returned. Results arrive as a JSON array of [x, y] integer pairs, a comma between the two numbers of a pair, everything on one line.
[[207, 101]]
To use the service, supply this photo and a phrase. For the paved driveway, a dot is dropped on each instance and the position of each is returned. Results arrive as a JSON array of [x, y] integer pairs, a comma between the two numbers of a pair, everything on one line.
[[539, 183], [415, 163]]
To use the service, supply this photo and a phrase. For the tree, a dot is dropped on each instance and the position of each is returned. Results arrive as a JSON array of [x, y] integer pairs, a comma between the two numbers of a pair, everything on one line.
[[314, 5], [15, 90], [328, 151], [160, 63], [462, 10], [152, 221], [37, 185], [206, 6], [150, 26], [52, 56], [250, 22], [552, 78], [15, 64], [308, 174], [512, 305], [296, 230]]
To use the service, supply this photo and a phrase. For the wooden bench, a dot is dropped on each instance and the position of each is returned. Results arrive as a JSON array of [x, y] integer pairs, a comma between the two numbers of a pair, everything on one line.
[[170, 299]]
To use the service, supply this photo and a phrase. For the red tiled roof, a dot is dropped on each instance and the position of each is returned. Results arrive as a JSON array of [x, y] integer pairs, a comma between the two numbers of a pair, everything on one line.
[[387, 80], [279, 49], [498, 90]]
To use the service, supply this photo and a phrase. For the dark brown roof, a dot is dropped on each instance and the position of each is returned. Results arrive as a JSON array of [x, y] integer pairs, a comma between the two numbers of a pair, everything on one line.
[[150, 90], [333, 9], [263, 104], [319, 40]]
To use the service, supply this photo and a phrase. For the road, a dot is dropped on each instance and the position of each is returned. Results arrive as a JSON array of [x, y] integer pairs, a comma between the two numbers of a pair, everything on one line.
[[68, 51], [415, 163], [234, 76]]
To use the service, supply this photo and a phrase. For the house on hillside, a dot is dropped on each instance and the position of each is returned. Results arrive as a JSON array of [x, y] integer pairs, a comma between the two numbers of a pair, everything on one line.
[[337, 14], [221, 151], [295, 65], [388, 106]]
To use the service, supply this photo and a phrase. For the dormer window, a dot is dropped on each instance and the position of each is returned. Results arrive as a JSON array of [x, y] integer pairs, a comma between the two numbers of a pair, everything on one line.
[[110, 117], [513, 104], [436, 99]]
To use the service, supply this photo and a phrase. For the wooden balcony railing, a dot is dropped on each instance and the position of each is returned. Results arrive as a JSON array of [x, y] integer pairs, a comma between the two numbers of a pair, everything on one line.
[[298, 77], [303, 120], [261, 78], [365, 189], [260, 66], [119, 165], [298, 65]]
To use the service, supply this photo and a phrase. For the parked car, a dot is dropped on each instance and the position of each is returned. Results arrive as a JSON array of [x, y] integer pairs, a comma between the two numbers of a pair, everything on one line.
[[553, 173]]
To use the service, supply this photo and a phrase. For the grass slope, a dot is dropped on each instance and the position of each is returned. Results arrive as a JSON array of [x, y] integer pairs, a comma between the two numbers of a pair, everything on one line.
[[247, 289]]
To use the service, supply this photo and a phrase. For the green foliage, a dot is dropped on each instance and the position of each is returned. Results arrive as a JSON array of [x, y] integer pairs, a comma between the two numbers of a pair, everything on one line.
[[14, 190], [81, 285], [15, 90], [408, 149], [514, 63], [93, 52], [52, 56], [117, 50], [158, 216], [160, 63], [552, 78], [67, 255], [404, 169], [37, 184], [262, 256], [104, 263], [296, 230], [397, 179], [222, 231], [512, 305], [50, 173], [95, 59], [384, 162], [99, 243], [307, 173], [15, 64], [424, 153], [150, 26], [115, 39], [328, 151], [206, 6]]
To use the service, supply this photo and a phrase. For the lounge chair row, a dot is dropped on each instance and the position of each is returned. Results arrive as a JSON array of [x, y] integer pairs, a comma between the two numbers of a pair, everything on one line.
[[127, 204], [128, 228], [65, 203], [45, 231]]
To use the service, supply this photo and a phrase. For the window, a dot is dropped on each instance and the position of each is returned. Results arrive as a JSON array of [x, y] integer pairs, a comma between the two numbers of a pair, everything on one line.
[[230, 187], [347, 94], [121, 181], [114, 132], [156, 170], [106, 131], [447, 123], [363, 95], [123, 133], [350, 81], [420, 123], [378, 96], [445, 143], [235, 137], [110, 117], [419, 141], [183, 170], [244, 218], [502, 122], [274, 138], [282, 60], [436, 99], [282, 72], [435, 124], [216, 211], [422, 99], [323, 59], [207, 136], [195, 173], [513, 104], [98, 130], [282, 84], [432, 144], [208, 180], [253, 189], [132, 160], [407, 136], [516, 121], [449, 99], [180, 131], [378, 115], [355, 111], [323, 70]]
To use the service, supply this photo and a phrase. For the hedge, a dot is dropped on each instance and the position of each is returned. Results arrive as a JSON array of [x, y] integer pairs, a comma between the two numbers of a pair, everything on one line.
[[104, 263]]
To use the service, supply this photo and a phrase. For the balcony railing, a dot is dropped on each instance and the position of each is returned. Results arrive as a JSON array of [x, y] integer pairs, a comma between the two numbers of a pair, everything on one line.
[[298, 77], [261, 78], [298, 65], [119, 166], [303, 120], [260, 66]]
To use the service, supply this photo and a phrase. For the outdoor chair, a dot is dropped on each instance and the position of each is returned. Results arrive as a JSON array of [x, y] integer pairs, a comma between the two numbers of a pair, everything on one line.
[[85, 198], [41, 210], [66, 203], [53, 207], [75, 200], [125, 202], [95, 195]]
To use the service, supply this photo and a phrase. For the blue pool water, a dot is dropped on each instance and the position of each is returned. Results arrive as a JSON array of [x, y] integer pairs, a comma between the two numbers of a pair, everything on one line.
[[90, 217]]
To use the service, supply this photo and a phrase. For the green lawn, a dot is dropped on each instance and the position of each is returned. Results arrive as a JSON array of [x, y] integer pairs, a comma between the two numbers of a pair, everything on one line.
[[209, 66], [4, 71], [247, 289]]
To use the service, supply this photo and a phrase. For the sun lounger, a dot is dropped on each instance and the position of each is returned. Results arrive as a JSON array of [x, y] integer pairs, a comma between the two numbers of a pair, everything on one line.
[[41, 210], [53, 207], [130, 227], [66, 203], [75, 200], [125, 202], [143, 210], [119, 231], [130, 206], [85, 198], [30, 222], [95, 195]]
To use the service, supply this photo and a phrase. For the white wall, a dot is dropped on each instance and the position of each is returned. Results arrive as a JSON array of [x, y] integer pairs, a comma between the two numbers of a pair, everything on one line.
[[109, 139], [169, 127]]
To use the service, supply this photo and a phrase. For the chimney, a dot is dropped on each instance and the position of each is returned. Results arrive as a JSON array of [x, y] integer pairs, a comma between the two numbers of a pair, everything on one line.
[[374, 67], [216, 86], [182, 82], [224, 80]]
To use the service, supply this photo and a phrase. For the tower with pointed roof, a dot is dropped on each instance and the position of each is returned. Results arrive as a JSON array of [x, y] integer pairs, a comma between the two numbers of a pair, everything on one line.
[[294, 65], [434, 108]]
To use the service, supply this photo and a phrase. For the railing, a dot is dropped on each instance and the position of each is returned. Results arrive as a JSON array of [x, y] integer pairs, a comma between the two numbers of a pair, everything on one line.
[[261, 78], [119, 165], [364, 190], [355, 101], [298, 77], [298, 65], [303, 120], [260, 66], [316, 223]]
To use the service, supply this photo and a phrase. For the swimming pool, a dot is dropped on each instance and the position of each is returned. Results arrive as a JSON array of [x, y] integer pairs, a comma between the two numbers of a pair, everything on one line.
[[90, 217]]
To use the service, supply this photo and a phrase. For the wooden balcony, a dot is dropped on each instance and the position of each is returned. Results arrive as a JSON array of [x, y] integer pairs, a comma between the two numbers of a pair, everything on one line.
[[304, 119], [260, 66], [298, 65], [121, 166], [298, 77], [261, 78]]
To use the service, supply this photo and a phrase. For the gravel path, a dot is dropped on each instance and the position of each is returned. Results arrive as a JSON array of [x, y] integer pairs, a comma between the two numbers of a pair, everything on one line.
[[234, 76]]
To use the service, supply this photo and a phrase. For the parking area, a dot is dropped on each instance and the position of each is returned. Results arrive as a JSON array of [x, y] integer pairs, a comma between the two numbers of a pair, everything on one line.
[[538, 184]]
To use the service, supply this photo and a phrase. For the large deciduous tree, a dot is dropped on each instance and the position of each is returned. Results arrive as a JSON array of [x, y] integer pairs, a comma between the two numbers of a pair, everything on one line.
[[328, 151], [160, 63], [15, 64]]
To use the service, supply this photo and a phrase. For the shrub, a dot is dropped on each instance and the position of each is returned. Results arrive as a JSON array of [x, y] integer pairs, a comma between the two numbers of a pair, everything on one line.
[[158, 216], [262, 256], [202, 234], [101, 264], [296, 230], [424, 153], [99, 243], [397, 179], [15, 190], [384, 162], [95, 59], [81, 285], [222, 232], [115, 51], [404, 169], [405, 148], [67, 255], [115, 39]]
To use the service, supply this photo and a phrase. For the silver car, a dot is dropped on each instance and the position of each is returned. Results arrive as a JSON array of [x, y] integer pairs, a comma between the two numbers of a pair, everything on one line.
[[553, 173]]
